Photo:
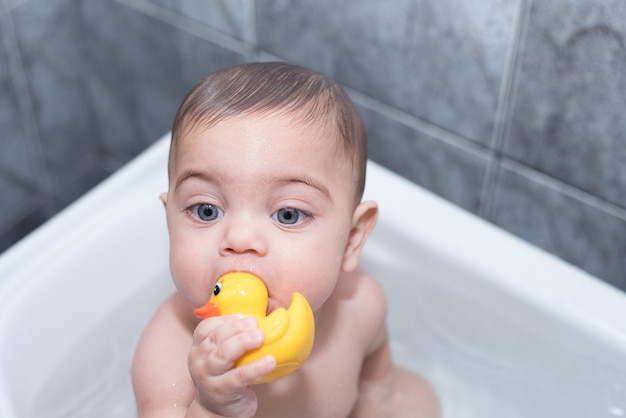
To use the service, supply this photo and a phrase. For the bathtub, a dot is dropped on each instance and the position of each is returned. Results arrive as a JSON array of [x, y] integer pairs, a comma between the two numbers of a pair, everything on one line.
[[498, 327]]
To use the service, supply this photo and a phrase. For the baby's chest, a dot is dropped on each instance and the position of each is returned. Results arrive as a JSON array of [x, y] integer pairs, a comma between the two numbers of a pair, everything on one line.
[[326, 386]]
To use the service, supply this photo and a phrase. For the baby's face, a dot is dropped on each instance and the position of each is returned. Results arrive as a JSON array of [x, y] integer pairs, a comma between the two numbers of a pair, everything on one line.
[[260, 194]]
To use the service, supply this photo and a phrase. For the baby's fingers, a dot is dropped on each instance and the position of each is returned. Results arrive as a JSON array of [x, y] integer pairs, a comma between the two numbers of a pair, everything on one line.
[[249, 373], [216, 348], [223, 325]]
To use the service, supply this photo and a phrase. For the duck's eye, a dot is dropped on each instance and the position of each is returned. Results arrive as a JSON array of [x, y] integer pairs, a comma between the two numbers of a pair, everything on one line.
[[218, 288]]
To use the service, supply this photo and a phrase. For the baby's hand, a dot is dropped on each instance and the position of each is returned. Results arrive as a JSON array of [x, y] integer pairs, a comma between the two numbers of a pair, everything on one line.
[[217, 343]]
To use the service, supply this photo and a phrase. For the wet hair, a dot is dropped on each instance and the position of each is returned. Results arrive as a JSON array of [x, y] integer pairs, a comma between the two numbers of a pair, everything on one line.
[[270, 88]]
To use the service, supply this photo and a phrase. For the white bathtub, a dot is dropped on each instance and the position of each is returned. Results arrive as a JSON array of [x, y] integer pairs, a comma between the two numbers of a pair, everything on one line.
[[499, 328]]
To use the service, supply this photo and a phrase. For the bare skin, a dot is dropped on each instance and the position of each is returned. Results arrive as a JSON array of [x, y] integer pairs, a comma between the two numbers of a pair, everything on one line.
[[359, 367], [225, 212]]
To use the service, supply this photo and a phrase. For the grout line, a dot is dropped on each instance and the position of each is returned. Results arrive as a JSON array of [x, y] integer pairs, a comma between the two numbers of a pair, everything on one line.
[[510, 76], [563, 188], [190, 26], [250, 31], [506, 96], [249, 27], [514, 75], [418, 124]]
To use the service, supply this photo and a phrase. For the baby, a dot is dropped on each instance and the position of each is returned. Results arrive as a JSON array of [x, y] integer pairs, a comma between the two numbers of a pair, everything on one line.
[[266, 174]]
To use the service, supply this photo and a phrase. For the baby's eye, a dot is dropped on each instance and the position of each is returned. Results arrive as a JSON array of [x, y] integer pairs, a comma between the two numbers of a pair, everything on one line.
[[289, 216], [206, 212]]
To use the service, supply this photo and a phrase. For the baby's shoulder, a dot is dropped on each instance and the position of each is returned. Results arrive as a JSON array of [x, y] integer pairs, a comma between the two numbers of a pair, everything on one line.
[[360, 289], [174, 313], [359, 300]]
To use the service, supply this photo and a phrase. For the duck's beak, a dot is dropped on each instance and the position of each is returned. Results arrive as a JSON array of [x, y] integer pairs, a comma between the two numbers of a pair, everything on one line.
[[208, 310]]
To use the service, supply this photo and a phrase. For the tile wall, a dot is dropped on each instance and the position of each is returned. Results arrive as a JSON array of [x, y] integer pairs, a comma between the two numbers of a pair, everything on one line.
[[511, 109]]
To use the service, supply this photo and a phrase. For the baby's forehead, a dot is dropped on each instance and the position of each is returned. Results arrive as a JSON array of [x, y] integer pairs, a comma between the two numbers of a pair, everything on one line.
[[327, 144], [322, 129]]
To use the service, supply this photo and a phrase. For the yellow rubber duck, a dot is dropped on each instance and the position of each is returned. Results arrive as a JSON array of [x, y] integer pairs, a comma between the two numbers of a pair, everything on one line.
[[289, 333]]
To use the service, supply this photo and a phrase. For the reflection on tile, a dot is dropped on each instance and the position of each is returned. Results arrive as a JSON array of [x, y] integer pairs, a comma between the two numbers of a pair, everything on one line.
[[447, 171], [226, 16], [139, 70], [574, 231], [439, 60], [568, 116]]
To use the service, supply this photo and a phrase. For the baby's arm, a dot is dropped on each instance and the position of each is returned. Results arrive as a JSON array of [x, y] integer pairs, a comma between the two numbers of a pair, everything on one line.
[[386, 390], [160, 374], [164, 365]]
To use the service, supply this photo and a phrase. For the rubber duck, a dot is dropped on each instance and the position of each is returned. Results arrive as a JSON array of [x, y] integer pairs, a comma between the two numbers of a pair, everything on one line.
[[289, 333]]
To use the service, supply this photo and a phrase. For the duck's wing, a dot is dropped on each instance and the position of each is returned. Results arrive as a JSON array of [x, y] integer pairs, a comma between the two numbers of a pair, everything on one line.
[[275, 325]]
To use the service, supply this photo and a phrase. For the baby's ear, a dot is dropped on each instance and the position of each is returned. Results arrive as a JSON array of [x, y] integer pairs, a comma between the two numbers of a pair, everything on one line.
[[163, 198], [363, 221]]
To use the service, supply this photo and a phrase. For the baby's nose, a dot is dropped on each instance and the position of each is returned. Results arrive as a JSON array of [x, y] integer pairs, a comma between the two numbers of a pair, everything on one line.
[[243, 235]]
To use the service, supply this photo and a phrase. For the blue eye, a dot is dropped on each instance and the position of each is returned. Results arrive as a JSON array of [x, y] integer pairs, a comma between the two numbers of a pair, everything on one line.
[[206, 212], [289, 216]]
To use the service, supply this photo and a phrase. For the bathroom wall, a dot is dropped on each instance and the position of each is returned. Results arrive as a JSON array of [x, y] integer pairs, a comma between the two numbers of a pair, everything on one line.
[[511, 109]]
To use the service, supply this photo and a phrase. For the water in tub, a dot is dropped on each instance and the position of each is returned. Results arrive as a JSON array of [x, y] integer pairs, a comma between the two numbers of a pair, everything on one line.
[[488, 352], [93, 379]]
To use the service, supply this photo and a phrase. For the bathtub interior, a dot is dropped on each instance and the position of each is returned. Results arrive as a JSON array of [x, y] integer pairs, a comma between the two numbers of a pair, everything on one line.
[[498, 327]]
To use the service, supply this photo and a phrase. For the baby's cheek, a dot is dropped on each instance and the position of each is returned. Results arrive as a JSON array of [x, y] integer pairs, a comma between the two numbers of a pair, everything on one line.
[[188, 281], [323, 287]]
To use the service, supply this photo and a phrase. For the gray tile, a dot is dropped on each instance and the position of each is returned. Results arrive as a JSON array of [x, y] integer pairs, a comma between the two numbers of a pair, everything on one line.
[[50, 39], [226, 16], [92, 175], [440, 60], [6, 5], [139, 70], [14, 195], [573, 230], [16, 158], [568, 118], [22, 227], [448, 171], [105, 78]]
